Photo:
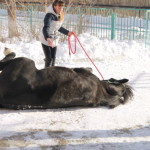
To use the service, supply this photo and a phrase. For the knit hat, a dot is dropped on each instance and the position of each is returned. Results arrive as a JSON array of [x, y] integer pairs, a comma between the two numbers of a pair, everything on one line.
[[7, 51]]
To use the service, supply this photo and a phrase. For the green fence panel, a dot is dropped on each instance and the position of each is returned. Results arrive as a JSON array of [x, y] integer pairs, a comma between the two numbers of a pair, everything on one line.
[[113, 19], [105, 23], [115, 23]]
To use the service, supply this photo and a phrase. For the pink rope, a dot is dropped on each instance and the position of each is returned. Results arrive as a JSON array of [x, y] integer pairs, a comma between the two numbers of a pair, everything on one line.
[[75, 43]]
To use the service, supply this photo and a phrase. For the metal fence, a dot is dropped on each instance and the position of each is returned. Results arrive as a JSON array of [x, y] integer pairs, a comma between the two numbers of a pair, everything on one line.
[[118, 23], [105, 23]]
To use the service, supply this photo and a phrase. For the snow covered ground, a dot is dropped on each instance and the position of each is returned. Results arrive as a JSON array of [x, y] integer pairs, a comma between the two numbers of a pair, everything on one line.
[[126, 127]]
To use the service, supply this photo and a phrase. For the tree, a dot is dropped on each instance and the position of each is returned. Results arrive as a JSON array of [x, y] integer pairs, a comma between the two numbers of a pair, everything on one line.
[[12, 19]]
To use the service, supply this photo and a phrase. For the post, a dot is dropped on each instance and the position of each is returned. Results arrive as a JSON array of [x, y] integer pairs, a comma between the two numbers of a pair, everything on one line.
[[113, 20], [80, 21], [146, 33], [31, 19]]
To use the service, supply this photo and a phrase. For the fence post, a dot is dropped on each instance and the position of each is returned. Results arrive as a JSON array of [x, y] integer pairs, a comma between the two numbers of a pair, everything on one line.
[[113, 18], [31, 19], [147, 32], [80, 21]]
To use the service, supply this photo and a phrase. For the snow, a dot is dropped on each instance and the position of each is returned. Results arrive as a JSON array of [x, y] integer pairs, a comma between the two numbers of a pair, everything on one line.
[[126, 127]]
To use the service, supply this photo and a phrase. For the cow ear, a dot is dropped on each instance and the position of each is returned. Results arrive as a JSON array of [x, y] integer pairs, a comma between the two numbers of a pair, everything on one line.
[[113, 81], [117, 82], [123, 81]]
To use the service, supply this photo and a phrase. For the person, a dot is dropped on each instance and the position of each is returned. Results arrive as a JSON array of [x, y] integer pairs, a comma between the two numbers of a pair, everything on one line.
[[49, 36]]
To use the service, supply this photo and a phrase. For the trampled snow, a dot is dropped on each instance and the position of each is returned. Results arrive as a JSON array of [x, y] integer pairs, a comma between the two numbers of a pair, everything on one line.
[[126, 127]]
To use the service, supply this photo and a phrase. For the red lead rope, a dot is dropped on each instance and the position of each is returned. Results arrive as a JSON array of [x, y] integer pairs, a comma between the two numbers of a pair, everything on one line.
[[75, 43]]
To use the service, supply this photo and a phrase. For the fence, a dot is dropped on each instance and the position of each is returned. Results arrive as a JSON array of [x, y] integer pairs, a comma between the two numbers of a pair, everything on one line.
[[105, 23], [109, 23]]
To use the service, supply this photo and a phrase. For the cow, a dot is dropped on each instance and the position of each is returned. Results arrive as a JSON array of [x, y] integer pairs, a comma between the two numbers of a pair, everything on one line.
[[23, 86]]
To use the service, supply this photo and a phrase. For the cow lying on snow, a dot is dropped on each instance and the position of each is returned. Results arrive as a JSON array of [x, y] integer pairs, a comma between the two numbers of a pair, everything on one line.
[[23, 86]]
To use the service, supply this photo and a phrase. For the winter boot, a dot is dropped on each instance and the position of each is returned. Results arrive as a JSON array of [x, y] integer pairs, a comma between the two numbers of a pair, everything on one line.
[[53, 61], [47, 62]]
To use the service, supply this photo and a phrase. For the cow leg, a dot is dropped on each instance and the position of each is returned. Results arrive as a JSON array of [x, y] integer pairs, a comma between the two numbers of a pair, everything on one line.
[[4, 64]]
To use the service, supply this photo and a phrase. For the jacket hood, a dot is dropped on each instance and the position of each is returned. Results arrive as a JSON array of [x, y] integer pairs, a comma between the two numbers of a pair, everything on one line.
[[51, 10]]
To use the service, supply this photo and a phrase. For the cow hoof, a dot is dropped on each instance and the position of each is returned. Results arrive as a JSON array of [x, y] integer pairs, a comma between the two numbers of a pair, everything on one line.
[[112, 106]]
